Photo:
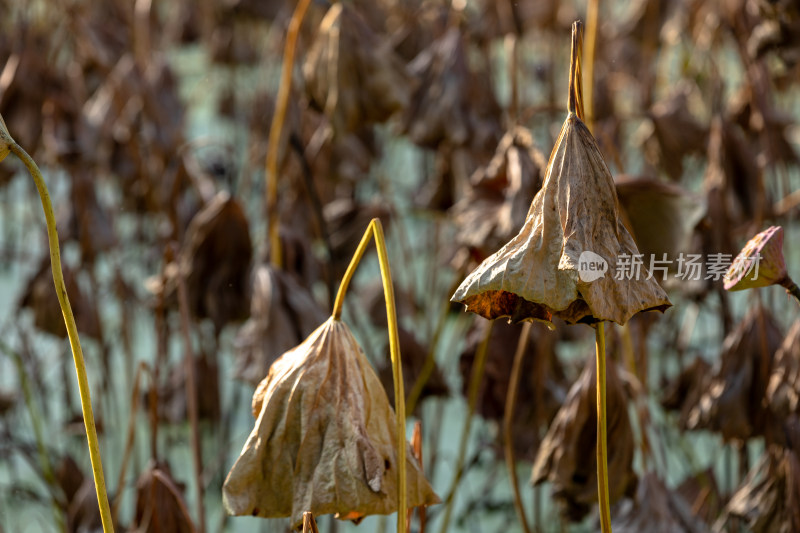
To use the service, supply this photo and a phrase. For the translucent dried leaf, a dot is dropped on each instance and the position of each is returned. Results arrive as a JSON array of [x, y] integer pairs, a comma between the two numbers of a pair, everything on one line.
[[497, 202], [282, 314], [656, 509], [783, 392], [733, 401], [568, 454], [324, 438], [536, 274]]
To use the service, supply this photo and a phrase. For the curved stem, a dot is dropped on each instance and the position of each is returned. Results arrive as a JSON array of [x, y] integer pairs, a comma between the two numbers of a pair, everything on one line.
[[508, 418], [602, 454], [476, 376], [375, 229], [575, 100], [72, 333], [278, 119]]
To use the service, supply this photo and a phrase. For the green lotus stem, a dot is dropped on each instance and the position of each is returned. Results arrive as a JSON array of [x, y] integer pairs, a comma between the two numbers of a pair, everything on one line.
[[274, 142], [602, 454], [6, 142], [476, 376], [375, 229], [508, 419]]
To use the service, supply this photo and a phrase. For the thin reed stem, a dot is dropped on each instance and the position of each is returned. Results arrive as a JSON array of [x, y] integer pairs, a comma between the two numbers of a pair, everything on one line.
[[592, 10], [508, 419], [278, 119], [476, 376]]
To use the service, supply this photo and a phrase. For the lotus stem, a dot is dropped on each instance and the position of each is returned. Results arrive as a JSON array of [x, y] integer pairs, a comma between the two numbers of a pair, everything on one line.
[[592, 10], [309, 524], [190, 390], [508, 419], [375, 229], [476, 376], [274, 143], [72, 330], [791, 288], [575, 98], [602, 454], [141, 368]]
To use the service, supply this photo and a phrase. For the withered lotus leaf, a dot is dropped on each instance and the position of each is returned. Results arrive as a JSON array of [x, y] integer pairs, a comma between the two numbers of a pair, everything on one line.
[[282, 313], [324, 438], [567, 456], [767, 501], [536, 274], [216, 258], [160, 505], [783, 391], [352, 73], [733, 401], [657, 509]]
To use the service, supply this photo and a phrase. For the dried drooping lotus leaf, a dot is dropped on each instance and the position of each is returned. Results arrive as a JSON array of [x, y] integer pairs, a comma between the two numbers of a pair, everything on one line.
[[778, 30], [323, 439], [497, 202], [282, 314], [160, 506], [345, 219], [677, 133], [768, 500], [352, 74], [573, 219], [40, 297], [733, 403], [172, 398], [783, 391], [656, 509], [702, 493], [684, 392], [662, 216], [452, 104], [542, 387], [568, 454], [216, 260]]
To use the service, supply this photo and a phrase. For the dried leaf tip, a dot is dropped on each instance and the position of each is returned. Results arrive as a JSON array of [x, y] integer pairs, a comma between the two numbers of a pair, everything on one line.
[[575, 100]]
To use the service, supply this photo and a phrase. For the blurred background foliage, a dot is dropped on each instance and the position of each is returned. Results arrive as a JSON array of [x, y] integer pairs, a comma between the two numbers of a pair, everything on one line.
[[150, 121]]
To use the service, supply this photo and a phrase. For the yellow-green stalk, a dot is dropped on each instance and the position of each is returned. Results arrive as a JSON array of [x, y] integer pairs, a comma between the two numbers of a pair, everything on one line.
[[7, 144], [375, 229]]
